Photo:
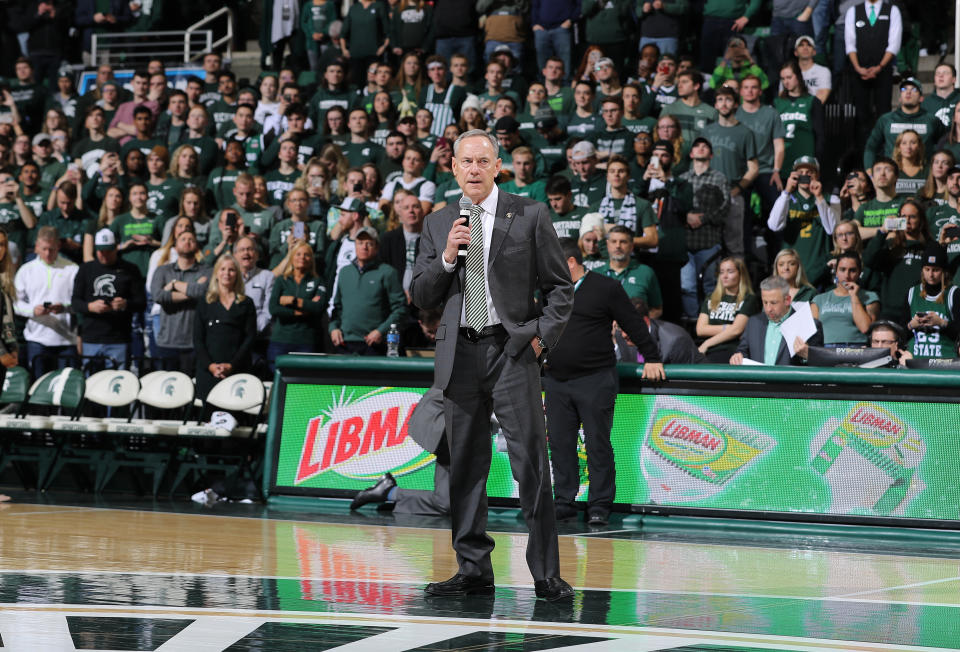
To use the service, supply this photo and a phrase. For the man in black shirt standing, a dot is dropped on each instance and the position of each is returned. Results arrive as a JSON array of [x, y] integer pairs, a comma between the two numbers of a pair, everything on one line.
[[580, 384], [107, 292]]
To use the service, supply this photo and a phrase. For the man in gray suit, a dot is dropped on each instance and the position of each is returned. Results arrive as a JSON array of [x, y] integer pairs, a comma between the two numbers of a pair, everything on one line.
[[489, 344], [765, 326]]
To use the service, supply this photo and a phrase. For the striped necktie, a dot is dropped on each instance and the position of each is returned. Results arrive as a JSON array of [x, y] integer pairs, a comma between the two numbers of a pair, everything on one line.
[[476, 293]]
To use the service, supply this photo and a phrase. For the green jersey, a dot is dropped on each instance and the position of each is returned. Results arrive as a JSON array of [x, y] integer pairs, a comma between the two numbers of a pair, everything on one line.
[[910, 186], [591, 191], [931, 342], [796, 115], [804, 232]]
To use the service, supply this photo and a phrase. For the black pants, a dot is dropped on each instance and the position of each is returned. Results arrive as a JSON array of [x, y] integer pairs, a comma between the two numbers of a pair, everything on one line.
[[872, 98], [484, 380], [713, 41], [587, 400]]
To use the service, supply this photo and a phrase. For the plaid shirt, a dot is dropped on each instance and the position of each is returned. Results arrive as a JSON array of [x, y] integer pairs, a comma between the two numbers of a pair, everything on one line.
[[714, 217]]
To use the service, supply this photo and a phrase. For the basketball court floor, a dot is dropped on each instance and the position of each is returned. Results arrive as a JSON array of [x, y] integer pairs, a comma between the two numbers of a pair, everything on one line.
[[176, 576]]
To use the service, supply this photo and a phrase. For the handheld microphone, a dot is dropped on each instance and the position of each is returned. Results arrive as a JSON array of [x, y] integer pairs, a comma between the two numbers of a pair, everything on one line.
[[465, 205]]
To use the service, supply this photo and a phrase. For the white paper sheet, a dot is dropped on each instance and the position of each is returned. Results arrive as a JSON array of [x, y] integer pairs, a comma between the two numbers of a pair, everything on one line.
[[799, 324]]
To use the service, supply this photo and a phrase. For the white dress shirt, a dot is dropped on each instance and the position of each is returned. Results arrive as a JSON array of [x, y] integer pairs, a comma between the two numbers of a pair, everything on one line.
[[894, 35], [489, 206]]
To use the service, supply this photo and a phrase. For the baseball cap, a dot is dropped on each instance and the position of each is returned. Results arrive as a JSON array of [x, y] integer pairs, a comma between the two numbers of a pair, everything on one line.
[[603, 61], [803, 38], [39, 138], [701, 139], [582, 150], [806, 161], [912, 81], [545, 118], [507, 124], [352, 204], [104, 240], [368, 231], [504, 49]]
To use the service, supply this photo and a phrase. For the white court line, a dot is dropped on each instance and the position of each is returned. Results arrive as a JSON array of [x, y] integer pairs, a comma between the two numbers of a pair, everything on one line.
[[312, 578], [902, 586], [598, 535], [51, 511], [464, 625]]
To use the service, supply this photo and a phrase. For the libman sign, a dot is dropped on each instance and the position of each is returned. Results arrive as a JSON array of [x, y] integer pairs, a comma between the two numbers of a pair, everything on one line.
[[801, 455]]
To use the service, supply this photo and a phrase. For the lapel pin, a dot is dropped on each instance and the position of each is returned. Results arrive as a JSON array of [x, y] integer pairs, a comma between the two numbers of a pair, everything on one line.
[[509, 215]]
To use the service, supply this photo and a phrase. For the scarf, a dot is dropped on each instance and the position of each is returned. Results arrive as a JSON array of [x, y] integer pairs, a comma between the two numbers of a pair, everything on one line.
[[628, 211]]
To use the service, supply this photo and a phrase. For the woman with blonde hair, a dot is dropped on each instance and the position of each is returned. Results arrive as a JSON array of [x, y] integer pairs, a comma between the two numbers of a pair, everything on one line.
[[910, 157], [185, 167], [225, 328], [724, 314], [337, 167], [114, 203], [8, 334], [787, 266], [934, 191], [297, 304]]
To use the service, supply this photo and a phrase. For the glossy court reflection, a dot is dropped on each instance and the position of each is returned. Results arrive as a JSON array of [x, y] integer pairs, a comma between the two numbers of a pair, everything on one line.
[[110, 579]]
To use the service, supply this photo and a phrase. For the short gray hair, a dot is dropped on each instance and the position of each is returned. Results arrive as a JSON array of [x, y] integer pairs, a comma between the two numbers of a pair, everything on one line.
[[473, 133], [772, 283]]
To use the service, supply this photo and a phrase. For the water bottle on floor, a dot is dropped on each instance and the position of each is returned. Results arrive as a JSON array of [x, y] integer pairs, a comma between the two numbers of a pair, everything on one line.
[[393, 342]]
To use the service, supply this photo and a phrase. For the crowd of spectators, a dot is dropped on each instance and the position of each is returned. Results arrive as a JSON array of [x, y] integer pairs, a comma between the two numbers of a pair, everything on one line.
[[214, 227]]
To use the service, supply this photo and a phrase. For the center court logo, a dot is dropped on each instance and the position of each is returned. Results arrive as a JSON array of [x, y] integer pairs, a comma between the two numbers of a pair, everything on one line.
[[363, 438]]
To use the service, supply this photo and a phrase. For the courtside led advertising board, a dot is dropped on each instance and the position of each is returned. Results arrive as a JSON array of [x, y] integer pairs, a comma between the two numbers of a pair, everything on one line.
[[808, 455]]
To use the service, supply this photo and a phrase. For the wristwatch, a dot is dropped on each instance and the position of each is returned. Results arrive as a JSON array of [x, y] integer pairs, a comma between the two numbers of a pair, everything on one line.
[[541, 343]]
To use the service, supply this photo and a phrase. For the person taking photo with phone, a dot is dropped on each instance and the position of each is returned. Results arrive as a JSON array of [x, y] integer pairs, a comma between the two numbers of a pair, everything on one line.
[[933, 306]]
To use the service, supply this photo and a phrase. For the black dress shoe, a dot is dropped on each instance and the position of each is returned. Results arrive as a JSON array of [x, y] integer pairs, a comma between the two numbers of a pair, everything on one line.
[[553, 589], [598, 517], [565, 511], [461, 585], [375, 494]]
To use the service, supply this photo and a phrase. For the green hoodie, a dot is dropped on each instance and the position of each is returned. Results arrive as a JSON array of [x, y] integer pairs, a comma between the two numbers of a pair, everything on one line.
[[731, 9]]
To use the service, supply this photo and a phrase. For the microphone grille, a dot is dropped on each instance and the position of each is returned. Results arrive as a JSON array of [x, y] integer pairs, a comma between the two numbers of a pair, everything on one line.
[[465, 202]]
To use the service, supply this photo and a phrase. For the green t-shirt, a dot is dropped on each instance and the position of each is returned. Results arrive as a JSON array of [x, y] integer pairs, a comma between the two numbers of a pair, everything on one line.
[[619, 141], [589, 192], [366, 152], [872, 213], [732, 148], [164, 197], [910, 186], [279, 184], [536, 190], [638, 280], [562, 101], [836, 315], [583, 127], [16, 230], [568, 226], [692, 119], [766, 126], [220, 185], [726, 311], [125, 227], [222, 113]]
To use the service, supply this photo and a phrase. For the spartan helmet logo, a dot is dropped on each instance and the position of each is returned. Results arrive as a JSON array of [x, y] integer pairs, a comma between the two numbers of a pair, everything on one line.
[[239, 388], [169, 386], [103, 286], [115, 384]]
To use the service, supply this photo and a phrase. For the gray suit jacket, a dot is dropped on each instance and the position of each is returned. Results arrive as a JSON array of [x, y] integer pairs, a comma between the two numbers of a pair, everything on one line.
[[753, 340], [525, 255], [426, 424]]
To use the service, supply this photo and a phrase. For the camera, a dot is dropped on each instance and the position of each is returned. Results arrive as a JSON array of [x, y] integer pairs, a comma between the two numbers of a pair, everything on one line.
[[803, 179], [357, 187]]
